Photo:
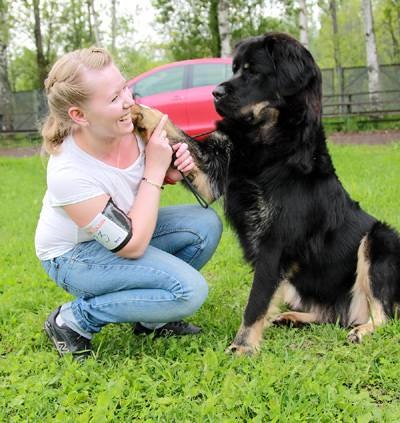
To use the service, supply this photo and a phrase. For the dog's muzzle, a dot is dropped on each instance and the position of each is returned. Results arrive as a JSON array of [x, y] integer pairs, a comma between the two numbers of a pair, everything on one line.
[[218, 93]]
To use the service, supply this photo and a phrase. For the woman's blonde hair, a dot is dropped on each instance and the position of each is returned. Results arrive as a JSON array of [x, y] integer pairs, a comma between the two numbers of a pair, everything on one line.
[[65, 86]]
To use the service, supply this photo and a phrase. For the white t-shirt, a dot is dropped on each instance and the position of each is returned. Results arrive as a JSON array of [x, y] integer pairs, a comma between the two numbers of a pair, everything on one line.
[[74, 176]]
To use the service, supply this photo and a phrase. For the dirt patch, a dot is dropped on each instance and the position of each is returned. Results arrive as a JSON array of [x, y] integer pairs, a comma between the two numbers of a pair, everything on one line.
[[373, 137], [20, 151]]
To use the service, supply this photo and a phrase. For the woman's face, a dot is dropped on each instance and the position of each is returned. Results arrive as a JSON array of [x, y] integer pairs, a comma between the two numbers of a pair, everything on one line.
[[108, 109]]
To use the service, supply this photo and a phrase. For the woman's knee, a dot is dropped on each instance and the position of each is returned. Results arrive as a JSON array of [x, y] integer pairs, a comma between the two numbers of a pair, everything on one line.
[[214, 226], [195, 293]]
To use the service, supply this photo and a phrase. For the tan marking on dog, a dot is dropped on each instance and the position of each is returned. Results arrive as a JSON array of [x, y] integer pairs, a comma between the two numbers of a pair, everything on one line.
[[365, 311], [286, 293], [262, 112], [146, 119], [256, 108], [293, 299], [201, 182], [297, 317], [378, 318], [248, 338], [361, 292]]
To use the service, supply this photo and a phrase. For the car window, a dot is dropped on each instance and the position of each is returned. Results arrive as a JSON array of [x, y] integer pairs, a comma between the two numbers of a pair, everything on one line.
[[163, 81], [210, 74]]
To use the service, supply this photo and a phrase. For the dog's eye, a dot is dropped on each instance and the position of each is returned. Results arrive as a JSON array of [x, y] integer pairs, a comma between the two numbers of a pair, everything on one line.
[[246, 66]]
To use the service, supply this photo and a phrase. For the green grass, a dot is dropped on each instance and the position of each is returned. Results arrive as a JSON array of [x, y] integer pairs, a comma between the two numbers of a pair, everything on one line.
[[361, 123], [301, 375]]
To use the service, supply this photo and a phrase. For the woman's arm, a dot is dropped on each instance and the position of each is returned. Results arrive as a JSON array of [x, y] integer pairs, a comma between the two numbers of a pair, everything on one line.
[[144, 211]]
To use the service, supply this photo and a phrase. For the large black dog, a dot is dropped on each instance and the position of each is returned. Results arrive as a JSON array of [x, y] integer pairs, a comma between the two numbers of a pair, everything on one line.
[[310, 244]]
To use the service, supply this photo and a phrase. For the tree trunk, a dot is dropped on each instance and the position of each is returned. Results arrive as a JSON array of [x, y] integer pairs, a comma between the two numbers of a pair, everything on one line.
[[89, 12], [113, 26], [6, 117], [339, 82], [96, 23], [303, 23], [223, 26], [42, 63], [372, 56], [214, 28]]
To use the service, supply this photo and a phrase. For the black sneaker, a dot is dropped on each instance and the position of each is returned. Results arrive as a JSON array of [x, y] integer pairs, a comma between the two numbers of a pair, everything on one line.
[[67, 340], [169, 329]]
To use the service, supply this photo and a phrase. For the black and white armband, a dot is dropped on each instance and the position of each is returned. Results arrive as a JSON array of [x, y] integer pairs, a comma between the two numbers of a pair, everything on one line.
[[112, 227]]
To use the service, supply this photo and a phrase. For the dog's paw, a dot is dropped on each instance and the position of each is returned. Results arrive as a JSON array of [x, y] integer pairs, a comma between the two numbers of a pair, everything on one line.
[[238, 349], [354, 336], [285, 320]]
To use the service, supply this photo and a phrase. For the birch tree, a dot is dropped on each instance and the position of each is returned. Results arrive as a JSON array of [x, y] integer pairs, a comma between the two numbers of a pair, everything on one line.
[[339, 86], [303, 25], [96, 23], [224, 30], [113, 25], [372, 57]]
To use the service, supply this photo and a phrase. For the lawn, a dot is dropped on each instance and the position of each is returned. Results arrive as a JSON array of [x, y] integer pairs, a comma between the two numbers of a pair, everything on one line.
[[311, 374]]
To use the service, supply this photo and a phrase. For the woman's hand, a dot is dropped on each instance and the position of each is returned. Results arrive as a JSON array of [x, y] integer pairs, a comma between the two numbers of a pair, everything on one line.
[[158, 151], [184, 162]]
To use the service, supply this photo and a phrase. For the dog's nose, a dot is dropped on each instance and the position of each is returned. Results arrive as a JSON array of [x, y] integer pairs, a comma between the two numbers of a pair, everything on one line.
[[219, 92]]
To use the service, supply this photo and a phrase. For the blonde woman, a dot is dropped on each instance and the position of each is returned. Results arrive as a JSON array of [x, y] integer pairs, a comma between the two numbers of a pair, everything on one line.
[[101, 235]]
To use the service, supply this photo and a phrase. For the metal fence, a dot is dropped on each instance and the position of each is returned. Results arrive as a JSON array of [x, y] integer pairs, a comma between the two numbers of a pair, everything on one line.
[[345, 93], [28, 109]]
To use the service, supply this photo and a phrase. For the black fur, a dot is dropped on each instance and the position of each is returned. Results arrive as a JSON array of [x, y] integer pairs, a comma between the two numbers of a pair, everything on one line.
[[281, 192]]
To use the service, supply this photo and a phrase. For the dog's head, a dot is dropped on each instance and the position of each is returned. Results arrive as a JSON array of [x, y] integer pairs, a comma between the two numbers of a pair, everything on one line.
[[271, 73]]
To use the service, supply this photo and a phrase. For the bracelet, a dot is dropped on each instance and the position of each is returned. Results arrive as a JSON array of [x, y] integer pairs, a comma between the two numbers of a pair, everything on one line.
[[152, 183]]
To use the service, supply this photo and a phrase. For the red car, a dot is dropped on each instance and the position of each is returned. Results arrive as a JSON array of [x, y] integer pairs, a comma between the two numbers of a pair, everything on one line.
[[183, 91]]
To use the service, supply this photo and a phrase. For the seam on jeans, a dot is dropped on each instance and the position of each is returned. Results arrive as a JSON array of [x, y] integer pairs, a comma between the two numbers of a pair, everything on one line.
[[196, 254], [81, 322], [76, 291], [133, 267], [167, 231], [198, 249], [99, 306]]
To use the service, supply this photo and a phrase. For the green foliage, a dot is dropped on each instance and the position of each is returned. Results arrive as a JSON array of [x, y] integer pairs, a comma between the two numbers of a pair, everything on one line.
[[310, 374], [193, 26], [191, 30], [351, 36], [387, 20], [134, 62], [361, 123], [250, 18], [351, 33], [24, 75], [190, 27]]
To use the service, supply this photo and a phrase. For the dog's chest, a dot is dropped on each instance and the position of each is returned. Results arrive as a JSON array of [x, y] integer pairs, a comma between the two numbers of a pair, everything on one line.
[[251, 212]]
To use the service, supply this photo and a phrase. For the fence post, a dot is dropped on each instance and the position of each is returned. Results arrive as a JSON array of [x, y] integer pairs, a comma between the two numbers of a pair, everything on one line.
[[348, 106]]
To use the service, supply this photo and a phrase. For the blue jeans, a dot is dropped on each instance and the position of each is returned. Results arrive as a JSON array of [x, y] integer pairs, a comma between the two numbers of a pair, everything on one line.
[[163, 285]]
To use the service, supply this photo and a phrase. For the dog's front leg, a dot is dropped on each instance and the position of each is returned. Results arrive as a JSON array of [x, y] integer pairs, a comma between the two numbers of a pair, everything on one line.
[[265, 282]]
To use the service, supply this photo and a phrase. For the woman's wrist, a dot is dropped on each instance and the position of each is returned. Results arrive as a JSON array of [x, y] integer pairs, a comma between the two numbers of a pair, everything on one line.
[[153, 183], [155, 175]]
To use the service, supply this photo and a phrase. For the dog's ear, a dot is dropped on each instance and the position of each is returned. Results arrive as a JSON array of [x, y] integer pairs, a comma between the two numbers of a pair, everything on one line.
[[294, 65]]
